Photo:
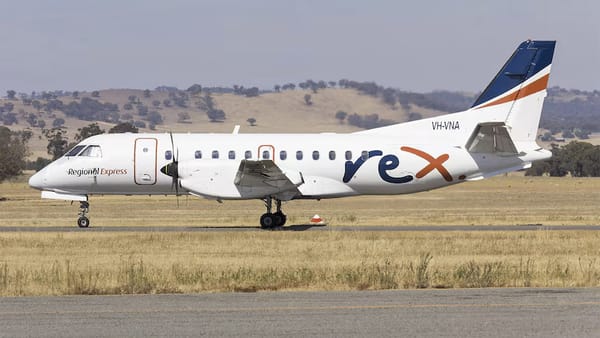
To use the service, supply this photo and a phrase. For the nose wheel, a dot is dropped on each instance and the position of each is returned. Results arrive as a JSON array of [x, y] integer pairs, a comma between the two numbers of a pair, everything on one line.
[[83, 221], [270, 220]]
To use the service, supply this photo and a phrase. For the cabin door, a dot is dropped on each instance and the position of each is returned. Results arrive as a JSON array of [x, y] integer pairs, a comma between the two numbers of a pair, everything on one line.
[[144, 163]]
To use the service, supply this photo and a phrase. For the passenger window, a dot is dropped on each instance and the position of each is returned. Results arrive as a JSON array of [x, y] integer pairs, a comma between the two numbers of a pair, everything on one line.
[[198, 154], [248, 154], [92, 151], [283, 155], [315, 155], [215, 154], [364, 155], [231, 155], [168, 155], [332, 155], [299, 155], [266, 155], [348, 155], [75, 151]]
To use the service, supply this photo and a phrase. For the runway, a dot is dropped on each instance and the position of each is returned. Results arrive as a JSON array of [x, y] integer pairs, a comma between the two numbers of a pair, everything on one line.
[[301, 227], [423, 313]]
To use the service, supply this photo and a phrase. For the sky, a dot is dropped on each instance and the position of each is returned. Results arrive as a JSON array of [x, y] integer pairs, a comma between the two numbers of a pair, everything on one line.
[[410, 45]]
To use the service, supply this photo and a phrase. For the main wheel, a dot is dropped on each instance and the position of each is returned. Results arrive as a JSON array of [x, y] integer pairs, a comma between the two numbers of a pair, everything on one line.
[[267, 221], [83, 222], [279, 218]]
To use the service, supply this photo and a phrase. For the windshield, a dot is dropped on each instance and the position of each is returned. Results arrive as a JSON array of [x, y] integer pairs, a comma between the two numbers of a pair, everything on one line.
[[92, 151], [75, 150]]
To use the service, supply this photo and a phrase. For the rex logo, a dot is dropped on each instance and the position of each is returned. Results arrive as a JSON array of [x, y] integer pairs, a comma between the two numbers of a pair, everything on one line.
[[391, 162]]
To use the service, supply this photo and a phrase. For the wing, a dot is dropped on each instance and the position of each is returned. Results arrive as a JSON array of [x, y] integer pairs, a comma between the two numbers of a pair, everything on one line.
[[265, 174], [249, 179]]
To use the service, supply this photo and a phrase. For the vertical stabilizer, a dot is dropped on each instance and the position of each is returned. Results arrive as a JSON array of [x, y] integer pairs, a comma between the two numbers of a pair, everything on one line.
[[519, 89]]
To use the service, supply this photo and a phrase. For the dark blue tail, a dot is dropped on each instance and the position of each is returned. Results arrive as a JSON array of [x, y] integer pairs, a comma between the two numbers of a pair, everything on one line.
[[529, 58]]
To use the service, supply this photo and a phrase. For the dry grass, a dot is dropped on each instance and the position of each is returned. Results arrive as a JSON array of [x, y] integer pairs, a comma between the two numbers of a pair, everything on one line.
[[123, 263], [507, 200], [116, 263]]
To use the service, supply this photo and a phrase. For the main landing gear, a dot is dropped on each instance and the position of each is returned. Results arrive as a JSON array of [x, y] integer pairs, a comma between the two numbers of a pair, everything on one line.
[[84, 208], [270, 220]]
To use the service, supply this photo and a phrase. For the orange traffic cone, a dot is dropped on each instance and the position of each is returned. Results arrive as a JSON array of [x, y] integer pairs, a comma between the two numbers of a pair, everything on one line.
[[317, 220]]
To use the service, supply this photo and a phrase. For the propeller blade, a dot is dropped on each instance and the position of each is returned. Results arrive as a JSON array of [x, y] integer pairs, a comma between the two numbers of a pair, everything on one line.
[[172, 169]]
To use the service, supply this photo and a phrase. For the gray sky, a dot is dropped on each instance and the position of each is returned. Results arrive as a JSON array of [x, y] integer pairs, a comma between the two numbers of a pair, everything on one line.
[[411, 45]]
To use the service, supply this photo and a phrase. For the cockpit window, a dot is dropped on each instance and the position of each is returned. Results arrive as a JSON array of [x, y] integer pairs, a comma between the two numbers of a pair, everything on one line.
[[92, 151], [75, 150]]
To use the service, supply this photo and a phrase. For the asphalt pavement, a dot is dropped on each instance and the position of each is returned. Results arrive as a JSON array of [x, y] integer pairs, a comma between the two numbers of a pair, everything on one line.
[[508, 312]]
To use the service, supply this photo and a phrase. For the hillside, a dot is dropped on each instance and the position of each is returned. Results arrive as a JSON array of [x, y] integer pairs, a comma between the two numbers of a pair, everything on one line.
[[310, 107], [274, 112]]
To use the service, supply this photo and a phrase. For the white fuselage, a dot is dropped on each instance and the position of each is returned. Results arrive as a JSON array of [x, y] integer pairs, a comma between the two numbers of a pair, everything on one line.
[[330, 164]]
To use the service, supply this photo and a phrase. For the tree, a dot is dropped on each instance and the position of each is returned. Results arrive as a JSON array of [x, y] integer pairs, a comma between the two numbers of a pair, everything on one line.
[[156, 103], [36, 104], [139, 124], [124, 127], [154, 118], [147, 93], [166, 102], [88, 131], [9, 119], [389, 96], [183, 117], [142, 110], [10, 94], [195, 89], [13, 152], [251, 121], [95, 93], [58, 122], [216, 115], [413, 116], [9, 106], [568, 134], [546, 137], [132, 99], [75, 94], [57, 142], [206, 102], [277, 88], [251, 92], [128, 106], [31, 119], [341, 115], [41, 124], [307, 99]]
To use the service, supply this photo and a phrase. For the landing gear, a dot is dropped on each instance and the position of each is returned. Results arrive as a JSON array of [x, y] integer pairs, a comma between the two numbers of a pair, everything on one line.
[[270, 220], [83, 221]]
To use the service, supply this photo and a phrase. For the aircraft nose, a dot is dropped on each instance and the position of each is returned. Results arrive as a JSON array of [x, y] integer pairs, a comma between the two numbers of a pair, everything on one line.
[[37, 181]]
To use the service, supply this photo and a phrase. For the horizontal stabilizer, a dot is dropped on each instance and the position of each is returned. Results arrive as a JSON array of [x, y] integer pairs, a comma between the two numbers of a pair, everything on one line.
[[491, 138]]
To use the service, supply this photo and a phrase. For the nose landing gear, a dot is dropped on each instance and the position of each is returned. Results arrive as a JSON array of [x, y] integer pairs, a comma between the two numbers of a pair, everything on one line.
[[83, 221], [270, 220]]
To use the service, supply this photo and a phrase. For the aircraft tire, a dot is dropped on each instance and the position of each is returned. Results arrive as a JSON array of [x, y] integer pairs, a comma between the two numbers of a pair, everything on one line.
[[280, 218], [83, 222], [267, 221]]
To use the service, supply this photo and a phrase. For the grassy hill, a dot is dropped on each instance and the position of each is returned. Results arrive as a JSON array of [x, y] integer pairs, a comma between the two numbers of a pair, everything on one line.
[[567, 113], [274, 112]]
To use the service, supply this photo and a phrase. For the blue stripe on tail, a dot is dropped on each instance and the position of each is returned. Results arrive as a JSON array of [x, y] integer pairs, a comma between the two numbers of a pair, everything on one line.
[[529, 58]]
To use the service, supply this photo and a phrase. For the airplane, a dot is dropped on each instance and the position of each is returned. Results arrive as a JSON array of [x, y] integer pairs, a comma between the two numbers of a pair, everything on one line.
[[495, 136]]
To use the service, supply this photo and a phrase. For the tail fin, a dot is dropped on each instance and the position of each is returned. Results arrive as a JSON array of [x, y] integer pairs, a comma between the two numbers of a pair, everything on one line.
[[519, 89]]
